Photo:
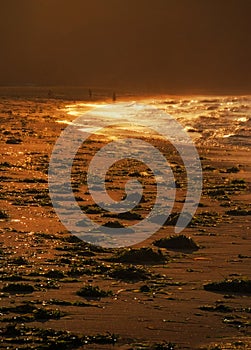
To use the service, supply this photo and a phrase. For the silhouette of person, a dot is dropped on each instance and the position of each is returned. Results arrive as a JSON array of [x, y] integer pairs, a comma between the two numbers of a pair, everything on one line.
[[90, 93]]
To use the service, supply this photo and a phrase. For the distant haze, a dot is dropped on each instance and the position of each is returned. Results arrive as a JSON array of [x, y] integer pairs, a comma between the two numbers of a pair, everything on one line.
[[160, 45]]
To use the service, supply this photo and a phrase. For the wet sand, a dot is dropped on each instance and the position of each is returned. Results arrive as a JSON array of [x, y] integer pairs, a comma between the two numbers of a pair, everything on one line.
[[159, 299]]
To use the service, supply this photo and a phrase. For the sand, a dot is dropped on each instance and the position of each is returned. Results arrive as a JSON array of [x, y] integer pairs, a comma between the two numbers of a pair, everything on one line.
[[162, 304]]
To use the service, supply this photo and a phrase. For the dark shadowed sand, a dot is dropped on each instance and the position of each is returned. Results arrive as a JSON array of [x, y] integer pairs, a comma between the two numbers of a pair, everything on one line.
[[58, 292]]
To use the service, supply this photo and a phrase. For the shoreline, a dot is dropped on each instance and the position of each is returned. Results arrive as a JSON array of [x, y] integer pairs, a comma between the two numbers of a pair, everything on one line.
[[81, 93]]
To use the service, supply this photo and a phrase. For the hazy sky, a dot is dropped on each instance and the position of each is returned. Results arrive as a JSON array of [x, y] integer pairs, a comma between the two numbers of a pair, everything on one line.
[[158, 44]]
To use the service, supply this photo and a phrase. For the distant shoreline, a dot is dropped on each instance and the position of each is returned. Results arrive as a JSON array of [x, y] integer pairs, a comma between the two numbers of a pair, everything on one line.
[[101, 92]]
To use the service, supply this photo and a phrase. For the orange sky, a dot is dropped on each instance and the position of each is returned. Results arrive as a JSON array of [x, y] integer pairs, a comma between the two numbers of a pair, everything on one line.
[[154, 44]]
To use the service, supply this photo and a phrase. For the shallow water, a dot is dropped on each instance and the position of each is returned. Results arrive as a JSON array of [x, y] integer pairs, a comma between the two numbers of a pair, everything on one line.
[[209, 120]]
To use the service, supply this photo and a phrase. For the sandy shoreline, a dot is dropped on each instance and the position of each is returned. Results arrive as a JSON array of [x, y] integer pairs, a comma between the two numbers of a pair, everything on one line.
[[166, 302]]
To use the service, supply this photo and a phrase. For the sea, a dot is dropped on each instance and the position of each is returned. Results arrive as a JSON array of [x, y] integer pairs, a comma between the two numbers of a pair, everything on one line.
[[209, 120]]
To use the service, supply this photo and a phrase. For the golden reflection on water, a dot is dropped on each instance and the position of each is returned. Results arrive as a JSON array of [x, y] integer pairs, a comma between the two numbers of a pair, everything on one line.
[[206, 118]]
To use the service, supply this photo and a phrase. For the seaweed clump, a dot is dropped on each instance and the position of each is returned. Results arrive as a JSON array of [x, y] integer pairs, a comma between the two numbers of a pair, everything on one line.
[[139, 256], [155, 346], [19, 261], [32, 313], [55, 274], [230, 285], [49, 339], [3, 215], [178, 242], [89, 291], [238, 212], [217, 308], [18, 288], [129, 273]]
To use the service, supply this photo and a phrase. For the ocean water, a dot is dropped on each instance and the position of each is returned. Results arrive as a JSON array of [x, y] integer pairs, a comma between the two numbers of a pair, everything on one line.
[[214, 120]]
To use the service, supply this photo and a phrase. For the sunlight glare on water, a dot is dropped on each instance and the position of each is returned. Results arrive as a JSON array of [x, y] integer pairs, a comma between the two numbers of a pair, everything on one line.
[[208, 119]]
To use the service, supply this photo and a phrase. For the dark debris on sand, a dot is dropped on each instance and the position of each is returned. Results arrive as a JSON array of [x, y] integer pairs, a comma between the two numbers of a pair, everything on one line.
[[142, 256], [230, 286], [89, 291], [49, 339], [129, 273], [178, 242]]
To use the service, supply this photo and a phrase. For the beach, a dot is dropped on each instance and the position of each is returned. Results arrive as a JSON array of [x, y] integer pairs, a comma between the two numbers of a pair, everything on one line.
[[59, 292]]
